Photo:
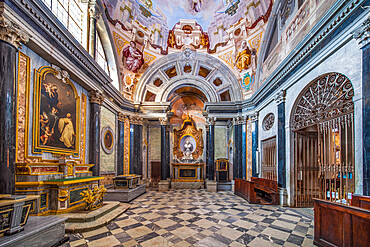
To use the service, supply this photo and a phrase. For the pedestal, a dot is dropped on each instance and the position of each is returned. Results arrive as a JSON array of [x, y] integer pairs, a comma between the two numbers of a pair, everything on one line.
[[211, 186], [163, 185], [125, 195]]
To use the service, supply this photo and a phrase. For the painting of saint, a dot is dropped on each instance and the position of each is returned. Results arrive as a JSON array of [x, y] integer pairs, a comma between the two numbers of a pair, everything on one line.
[[108, 140], [56, 105], [243, 57], [132, 57]]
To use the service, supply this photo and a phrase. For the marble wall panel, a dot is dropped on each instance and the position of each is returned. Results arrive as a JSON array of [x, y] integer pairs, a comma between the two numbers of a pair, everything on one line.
[[220, 142], [107, 161]]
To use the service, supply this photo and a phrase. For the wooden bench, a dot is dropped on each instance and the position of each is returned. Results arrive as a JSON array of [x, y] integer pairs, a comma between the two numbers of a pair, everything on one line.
[[259, 190], [361, 201]]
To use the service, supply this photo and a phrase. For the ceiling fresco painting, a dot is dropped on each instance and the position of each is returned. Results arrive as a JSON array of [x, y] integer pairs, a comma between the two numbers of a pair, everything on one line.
[[147, 30]]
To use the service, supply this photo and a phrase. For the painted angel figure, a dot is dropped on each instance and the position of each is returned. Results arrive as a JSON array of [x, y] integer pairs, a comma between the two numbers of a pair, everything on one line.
[[196, 5]]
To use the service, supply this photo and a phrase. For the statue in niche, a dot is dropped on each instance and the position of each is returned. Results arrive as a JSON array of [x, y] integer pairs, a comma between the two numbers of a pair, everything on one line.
[[243, 57]]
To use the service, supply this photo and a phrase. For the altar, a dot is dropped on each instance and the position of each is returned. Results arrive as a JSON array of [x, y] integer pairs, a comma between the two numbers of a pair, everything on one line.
[[188, 169]]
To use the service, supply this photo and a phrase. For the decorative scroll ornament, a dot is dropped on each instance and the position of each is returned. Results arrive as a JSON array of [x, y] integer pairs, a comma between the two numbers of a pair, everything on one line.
[[96, 97], [268, 121], [210, 120], [12, 33], [188, 129], [280, 97], [254, 117], [362, 34], [325, 98], [94, 198]]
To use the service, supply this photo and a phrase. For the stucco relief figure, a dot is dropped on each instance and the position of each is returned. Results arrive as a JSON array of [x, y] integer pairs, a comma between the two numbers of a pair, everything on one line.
[[171, 39], [243, 57], [133, 57], [67, 133], [196, 5]]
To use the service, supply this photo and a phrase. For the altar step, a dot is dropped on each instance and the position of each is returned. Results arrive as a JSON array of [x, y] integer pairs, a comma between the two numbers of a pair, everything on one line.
[[88, 221]]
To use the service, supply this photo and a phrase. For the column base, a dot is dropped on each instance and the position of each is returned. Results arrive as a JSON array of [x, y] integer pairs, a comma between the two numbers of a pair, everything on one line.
[[233, 185], [211, 186], [283, 197], [163, 185]]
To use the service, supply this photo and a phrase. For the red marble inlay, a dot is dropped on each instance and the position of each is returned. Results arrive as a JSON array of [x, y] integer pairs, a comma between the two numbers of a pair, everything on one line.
[[80, 169], [44, 169]]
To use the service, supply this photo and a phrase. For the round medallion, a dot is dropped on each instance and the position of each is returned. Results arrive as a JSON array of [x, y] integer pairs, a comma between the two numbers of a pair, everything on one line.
[[268, 121], [107, 141]]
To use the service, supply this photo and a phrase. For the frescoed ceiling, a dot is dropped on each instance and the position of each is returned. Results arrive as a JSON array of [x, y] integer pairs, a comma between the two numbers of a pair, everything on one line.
[[147, 30]]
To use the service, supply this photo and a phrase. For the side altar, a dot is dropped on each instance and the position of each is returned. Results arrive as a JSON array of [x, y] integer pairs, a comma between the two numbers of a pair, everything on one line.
[[58, 185], [188, 169]]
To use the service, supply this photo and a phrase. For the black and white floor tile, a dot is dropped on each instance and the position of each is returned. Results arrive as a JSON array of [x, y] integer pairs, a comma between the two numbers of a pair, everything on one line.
[[200, 218]]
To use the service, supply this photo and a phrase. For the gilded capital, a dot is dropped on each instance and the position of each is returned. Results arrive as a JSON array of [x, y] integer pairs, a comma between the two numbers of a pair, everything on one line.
[[163, 120], [121, 117], [136, 120], [96, 97], [12, 33], [210, 120]]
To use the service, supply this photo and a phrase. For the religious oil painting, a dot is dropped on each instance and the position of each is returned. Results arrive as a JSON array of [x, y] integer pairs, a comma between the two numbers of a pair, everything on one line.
[[107, 139], [56, 112]]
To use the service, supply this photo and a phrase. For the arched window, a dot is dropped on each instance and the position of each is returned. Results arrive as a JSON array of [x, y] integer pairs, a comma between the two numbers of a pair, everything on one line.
[[100, 55], [70, 13]]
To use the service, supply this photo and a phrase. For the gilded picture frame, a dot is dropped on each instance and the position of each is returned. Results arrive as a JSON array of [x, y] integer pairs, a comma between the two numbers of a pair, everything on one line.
[[56, 113]]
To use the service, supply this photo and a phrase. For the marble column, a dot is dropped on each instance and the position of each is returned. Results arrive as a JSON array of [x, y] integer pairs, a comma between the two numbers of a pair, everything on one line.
[[362, 34], [96, 99], [281, 141], [10, 38], [136, 145], [164, 174], [121, 144], [254, 119], [244, 148], [211, 148]]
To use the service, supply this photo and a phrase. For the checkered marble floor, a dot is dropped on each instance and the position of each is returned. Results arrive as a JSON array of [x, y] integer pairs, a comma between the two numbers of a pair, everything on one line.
[[200, 218]]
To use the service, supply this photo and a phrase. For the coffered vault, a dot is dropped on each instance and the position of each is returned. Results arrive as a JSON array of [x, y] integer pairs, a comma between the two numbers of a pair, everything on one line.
[[192, 69]]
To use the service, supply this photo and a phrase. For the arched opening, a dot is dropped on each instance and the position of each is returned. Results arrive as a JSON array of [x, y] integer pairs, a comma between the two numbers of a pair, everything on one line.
[[322, 125]]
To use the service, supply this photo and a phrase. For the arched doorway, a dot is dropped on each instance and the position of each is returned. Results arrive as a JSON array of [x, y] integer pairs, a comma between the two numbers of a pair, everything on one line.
[[322, 125]]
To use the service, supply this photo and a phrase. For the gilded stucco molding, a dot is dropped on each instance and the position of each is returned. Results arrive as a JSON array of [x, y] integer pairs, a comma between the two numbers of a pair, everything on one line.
[[362, 33], [12, 33]]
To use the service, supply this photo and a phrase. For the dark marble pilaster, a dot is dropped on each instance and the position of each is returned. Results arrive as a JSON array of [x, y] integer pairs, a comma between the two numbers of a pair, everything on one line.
[[254, 144], [121, 144], [136, 145], [366, 117], [238, 139], [244, 149], [168, 165], [96, 98], [8, 121], [281, 141], [164, 174], [361, 34], [211, 149], [207, 153]]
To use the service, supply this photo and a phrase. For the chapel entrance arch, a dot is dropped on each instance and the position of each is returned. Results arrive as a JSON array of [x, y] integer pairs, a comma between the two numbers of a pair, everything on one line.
[[322, 128]]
